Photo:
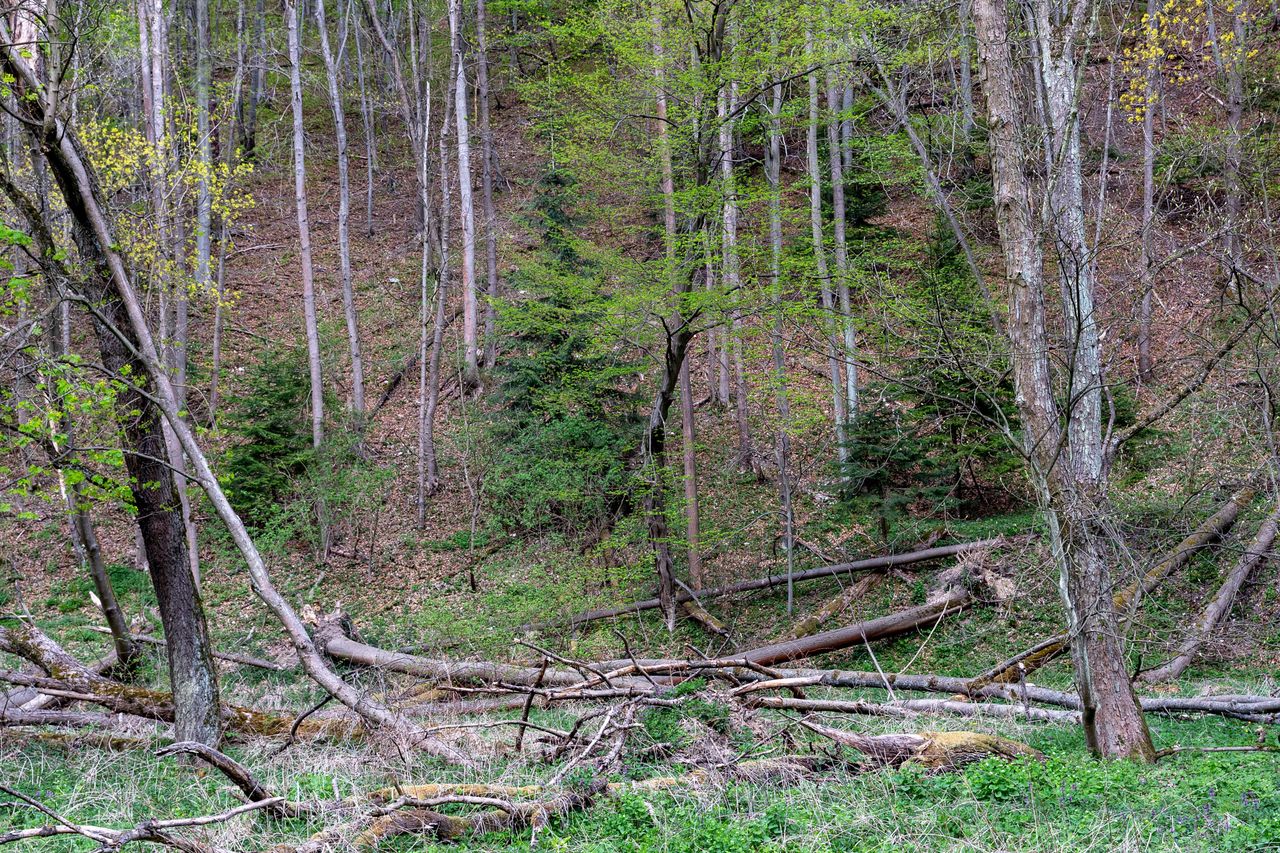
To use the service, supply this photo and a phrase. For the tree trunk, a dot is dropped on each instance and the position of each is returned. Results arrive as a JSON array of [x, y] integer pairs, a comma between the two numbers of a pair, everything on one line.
[[726, 106], [687, 431], [466, 206], [835, 145], [366, 118], [331, 66], [488, 170], [839, 410], [304, 228], [1148, 261], [782, 440], [1066, 471]]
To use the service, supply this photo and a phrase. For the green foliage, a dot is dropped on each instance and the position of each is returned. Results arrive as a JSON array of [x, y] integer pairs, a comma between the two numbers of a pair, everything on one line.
[[566, 422], [930, 441], [271, 441]]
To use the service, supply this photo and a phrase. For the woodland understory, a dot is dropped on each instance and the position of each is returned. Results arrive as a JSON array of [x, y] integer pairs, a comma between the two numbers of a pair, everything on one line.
[[650, 425]]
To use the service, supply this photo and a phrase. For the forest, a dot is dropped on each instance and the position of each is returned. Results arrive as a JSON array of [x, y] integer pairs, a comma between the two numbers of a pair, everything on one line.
[[698, 426]]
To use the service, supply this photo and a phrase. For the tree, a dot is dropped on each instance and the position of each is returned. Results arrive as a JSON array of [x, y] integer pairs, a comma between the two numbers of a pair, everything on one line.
[[331, 65], [304, 228], [1062, 442]]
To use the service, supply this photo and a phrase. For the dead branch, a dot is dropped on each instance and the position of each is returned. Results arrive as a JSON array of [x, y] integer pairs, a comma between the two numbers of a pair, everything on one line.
[[811, 623], [153, 831], [904, 708], [230, 657]]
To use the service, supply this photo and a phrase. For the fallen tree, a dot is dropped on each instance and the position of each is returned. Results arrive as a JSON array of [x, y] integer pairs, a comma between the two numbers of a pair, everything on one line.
[[873, 564], [1220, 605], [1211, 530], [929, 613]]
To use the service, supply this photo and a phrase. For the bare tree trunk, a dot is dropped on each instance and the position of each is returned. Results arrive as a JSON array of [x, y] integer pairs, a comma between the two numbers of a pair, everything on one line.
[[1230, 62], [1151, 84], [488, 169], [442, 294], [847, 332], [366, 118], [782, 441], [687, 432], [732, 276], [840, 412], [466, 206], [1067, 470], [304, 228], [331, 66]]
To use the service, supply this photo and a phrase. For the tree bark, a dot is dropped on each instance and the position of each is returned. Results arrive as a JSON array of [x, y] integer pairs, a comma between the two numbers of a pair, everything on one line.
[[304, 228]]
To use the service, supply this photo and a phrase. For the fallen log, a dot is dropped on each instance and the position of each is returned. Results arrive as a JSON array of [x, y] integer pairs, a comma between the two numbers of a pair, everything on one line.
[[933, 750], [828, 611], [1210, 530], [873, 564], [904, 708], [1218, 608], [863, 632]]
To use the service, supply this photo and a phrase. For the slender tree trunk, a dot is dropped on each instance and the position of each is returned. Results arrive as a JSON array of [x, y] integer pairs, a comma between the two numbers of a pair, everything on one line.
[[331, 66], [304, 228], [488, 171], [732, 276], [687, 431], [1234, 59], [366, 119], [442, 292], [782, 441], [466, 206], [204, 133], [840, 412], [1148, 261], [847, 332]]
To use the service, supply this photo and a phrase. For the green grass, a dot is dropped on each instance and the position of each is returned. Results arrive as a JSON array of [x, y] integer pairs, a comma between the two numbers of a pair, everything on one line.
[[1192, 802]]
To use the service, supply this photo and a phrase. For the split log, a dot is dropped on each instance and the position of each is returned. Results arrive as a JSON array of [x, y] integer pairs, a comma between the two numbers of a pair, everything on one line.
[[834, 607], [1210, 531], [881, 564], [1218, 608], [695, 611]]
